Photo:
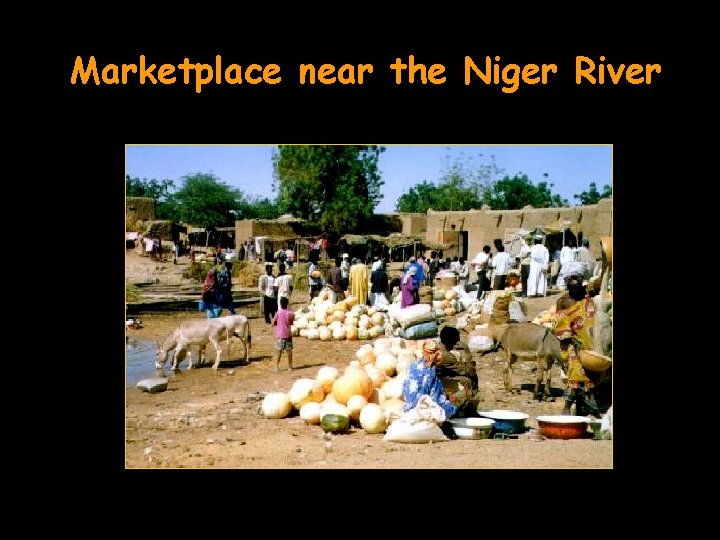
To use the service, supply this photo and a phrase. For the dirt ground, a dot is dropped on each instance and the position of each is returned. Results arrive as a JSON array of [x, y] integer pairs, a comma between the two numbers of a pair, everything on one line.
[[211, 419]]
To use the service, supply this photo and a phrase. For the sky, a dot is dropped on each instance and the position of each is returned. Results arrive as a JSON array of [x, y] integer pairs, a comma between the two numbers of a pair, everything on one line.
[[570, 168]]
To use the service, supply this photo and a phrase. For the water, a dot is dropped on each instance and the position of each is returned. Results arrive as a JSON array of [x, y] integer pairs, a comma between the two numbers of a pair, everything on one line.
[[140, 362]]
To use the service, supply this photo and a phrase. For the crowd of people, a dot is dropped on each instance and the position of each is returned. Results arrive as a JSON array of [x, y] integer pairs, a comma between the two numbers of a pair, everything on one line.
[[446, 371]]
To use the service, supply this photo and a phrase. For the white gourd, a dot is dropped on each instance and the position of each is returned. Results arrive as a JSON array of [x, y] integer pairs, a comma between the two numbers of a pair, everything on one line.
[[372, 419], [386, 362], [304, 390], [326, 376], [313, 333], [325, 333], [276, 405], [310, 412], [354, 405], [392, 388], [338, 332]]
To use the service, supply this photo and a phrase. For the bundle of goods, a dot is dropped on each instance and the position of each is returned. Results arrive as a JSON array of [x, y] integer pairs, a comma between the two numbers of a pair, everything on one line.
[[445, 302], [413, 322], [425, 293], [346, 319], [497, 308]]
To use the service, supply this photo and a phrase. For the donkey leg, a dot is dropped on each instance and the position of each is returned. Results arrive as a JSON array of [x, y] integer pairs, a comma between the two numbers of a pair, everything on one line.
[[507, 373], [218, 350], [547, 392]]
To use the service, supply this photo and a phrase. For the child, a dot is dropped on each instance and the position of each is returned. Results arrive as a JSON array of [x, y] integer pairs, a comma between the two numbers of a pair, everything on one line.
[[282, 320]]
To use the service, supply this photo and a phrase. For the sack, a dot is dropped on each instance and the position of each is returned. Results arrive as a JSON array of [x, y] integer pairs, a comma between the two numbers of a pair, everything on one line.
[[419, 432], [426, 410], [420, 331]]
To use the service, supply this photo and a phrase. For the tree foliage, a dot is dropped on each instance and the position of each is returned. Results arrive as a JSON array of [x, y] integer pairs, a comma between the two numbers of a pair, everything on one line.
[[516, 192], [461, 187], [332, 186], [155, 189], [592, 195], [258, 208], [205, 201]]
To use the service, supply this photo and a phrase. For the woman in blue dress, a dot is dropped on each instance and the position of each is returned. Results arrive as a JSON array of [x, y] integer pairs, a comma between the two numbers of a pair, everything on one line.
[[421, 379]]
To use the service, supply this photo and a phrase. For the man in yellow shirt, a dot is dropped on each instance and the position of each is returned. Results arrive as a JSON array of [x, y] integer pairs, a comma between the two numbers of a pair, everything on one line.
[[359, 281]]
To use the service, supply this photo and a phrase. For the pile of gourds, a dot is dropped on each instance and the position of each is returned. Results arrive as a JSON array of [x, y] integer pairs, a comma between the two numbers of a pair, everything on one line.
[[325, 320], [445, 302], [368, 393]]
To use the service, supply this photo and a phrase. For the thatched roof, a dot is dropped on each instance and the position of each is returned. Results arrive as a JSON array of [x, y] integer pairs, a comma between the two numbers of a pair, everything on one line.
[[395, 240], [288, 218]]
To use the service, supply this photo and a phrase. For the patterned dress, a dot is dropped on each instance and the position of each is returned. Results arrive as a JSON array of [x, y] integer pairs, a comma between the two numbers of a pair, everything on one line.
[[421, 380]]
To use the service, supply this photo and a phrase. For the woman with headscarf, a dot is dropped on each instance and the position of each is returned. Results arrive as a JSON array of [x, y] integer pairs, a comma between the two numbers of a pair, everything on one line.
[[209, 301], [421, 379], [359, 282], [407, 287], [457, 370], [573, 326]]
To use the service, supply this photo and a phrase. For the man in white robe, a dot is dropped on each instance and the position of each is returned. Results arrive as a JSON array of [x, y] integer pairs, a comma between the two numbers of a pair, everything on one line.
[[539, 260], [567, 257]]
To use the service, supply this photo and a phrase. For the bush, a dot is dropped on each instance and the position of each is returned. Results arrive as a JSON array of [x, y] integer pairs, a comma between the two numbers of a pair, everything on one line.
[[243, 273], [132, 293]]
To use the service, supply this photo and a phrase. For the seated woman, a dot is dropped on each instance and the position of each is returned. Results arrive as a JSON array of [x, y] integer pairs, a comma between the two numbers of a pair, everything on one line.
[[457, 371], [421, 379]]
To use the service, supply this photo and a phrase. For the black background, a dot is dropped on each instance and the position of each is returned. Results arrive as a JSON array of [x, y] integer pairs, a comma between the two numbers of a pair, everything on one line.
[[90, 126]]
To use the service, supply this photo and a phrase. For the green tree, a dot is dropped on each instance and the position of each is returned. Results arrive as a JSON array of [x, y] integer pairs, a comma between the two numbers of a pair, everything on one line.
[[334, 187], [258, 208], [155, 189], [461, 187], [592, 195], [514, 193], [205, 201]]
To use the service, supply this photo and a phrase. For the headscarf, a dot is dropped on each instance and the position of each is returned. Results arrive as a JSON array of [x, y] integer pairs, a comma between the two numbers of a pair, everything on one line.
[[210, 280], [376, 265], [431, 353], [410, 272]]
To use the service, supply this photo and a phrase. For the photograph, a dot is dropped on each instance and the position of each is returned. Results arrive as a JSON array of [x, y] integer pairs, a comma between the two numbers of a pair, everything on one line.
[[368, 306]]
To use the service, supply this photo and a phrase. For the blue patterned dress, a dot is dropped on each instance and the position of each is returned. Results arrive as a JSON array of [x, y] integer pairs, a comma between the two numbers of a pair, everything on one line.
[[420, 380]]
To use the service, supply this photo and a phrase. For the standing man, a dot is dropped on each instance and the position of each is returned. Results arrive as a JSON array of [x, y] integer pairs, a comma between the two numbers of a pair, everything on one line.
[[539, 261], [524, 257], [176, 249], [433, 267], [314, 276], [584, 258], [359, 281], [345, 271], [500, 264], [266, 285], [567, 257], [482, 266], [335, 281], [282, 321], [379, 282], [224, 285], [283, 284]]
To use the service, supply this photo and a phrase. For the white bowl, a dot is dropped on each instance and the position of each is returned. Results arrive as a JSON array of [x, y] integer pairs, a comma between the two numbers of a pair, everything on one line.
[[472, 428]]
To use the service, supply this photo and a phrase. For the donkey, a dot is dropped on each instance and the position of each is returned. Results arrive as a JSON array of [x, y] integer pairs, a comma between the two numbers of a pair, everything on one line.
[[534, 340], [200, 333]]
